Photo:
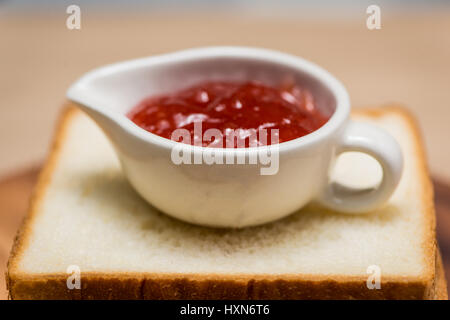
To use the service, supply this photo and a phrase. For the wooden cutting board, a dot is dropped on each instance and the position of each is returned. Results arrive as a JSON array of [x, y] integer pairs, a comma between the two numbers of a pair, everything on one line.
[[15, 193]]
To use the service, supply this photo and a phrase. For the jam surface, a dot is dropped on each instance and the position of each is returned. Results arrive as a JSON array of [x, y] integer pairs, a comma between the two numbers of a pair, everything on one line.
[[232, 106]]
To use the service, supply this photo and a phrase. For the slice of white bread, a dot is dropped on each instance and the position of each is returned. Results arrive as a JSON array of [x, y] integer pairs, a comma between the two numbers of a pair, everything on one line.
[[84, 213]]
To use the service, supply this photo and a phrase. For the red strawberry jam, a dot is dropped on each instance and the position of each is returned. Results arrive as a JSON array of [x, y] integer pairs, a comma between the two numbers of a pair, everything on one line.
[[232, 106]]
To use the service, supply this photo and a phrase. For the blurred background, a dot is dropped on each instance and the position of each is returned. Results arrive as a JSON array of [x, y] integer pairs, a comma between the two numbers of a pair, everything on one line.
[[406, 62]]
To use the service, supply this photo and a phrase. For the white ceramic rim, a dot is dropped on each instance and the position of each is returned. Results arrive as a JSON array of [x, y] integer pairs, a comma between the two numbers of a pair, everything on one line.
[[339, 116]]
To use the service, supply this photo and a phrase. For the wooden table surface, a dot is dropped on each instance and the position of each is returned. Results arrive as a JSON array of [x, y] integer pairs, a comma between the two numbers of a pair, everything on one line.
[[15, 192]]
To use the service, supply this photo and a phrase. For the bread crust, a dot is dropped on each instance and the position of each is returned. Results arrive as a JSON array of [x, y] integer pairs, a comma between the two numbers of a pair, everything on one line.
[[441, 292], [216, 286]]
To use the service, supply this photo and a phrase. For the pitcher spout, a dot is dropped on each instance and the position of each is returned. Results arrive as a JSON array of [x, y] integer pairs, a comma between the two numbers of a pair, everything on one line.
[[111, 122]]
